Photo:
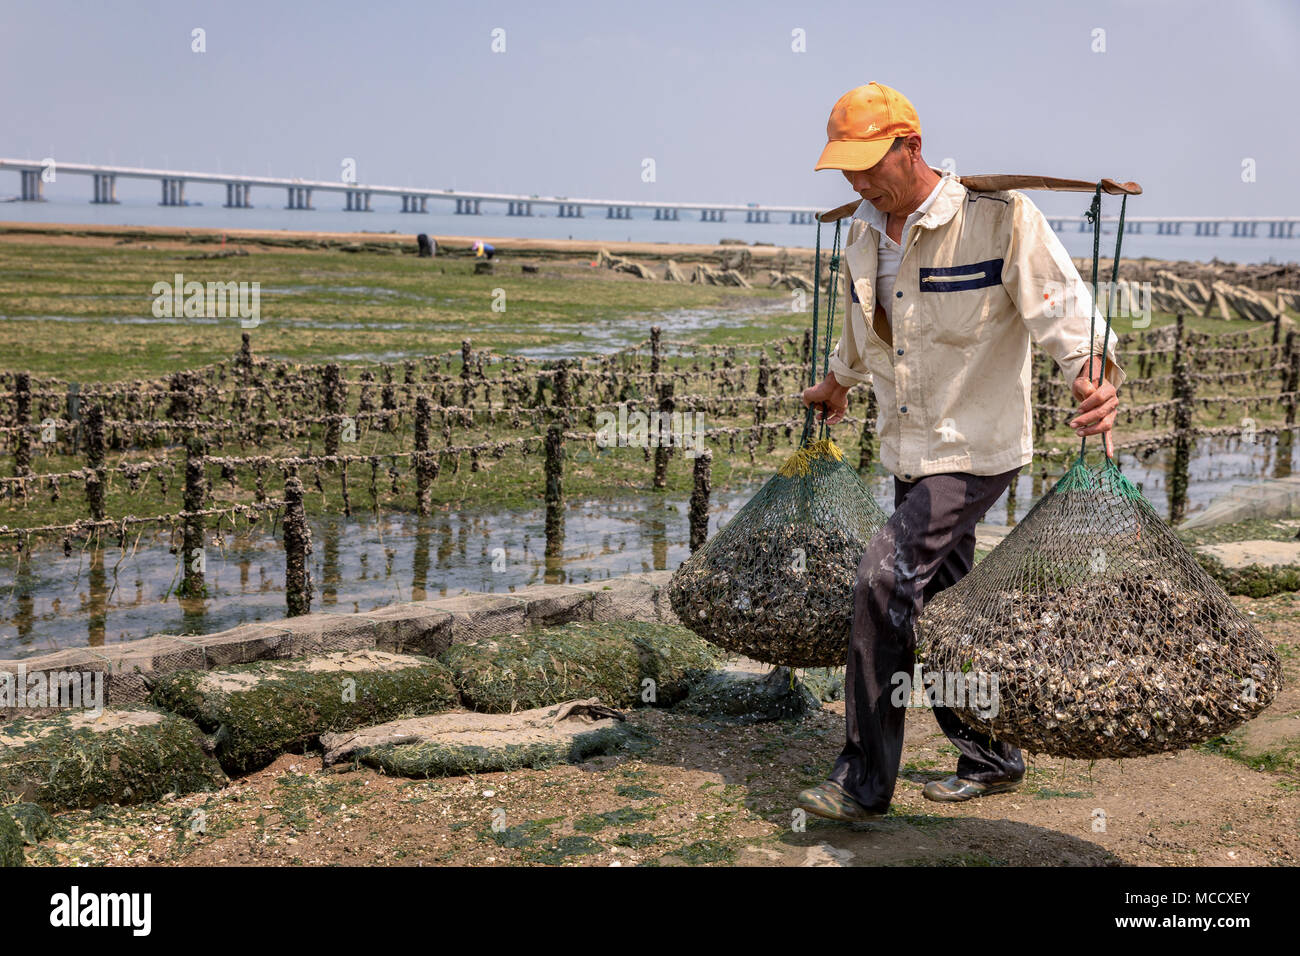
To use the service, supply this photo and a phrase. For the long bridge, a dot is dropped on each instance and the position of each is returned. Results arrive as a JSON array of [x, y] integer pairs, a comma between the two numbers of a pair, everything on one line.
[[300, 195]]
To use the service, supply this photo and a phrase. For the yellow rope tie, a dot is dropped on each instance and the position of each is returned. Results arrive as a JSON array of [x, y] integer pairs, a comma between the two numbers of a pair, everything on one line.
[[799, 464]]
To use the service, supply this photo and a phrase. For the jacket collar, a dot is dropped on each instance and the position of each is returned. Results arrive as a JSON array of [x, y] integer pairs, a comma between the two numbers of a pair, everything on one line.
[[946, 203]]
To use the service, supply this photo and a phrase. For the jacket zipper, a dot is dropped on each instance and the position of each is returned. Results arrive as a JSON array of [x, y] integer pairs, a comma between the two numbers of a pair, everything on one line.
[[982, 274]]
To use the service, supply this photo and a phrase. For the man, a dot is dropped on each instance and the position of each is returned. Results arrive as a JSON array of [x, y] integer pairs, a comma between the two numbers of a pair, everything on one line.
[[945, 288]]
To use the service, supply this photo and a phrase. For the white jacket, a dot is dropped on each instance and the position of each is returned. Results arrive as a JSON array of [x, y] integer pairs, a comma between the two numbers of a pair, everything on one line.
[[982, 274]]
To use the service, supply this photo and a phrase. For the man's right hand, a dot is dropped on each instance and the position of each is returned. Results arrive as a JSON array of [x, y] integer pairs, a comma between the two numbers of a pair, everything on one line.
[[833, 394]]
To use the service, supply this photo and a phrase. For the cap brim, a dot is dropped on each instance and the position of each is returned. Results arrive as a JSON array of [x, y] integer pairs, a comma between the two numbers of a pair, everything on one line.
[[853, 154]]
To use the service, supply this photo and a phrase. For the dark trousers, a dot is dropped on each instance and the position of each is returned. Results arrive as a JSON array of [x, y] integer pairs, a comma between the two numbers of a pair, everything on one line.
[[927, 545]]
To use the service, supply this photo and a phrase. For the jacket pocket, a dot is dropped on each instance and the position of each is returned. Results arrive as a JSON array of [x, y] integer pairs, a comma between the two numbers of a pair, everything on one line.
[[977, 275]]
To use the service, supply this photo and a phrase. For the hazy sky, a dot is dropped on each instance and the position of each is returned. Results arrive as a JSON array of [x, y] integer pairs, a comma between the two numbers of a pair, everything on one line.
[[1184, 92]]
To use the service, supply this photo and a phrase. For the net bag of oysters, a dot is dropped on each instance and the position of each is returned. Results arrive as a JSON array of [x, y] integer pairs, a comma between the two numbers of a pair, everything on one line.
[[776, 582], [1097, 631], [1090, 631]]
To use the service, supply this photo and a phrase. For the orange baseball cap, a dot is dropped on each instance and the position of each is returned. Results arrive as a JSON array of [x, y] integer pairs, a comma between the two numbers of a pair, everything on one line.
[[864, 124]]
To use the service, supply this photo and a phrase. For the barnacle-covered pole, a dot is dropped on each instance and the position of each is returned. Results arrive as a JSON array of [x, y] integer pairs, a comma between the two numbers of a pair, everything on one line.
[[698, 512], [866, 442], [192, 559], [22, 421], [333, 409], [297, 545], [423, 418], [1184, 395], [1292, 377], [554, 469], [95, 460], [663, 431]]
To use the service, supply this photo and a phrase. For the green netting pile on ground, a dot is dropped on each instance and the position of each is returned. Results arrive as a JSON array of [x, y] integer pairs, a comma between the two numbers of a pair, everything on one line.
[[1104, 635], [33, 820], [466, 743], [22, 824], [623, 663], [79, 760], [750, 697], [776, 583], [11, 841], [255, 712]]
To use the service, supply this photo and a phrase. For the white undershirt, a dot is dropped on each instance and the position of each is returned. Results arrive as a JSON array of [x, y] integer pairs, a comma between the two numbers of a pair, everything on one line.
[[890, 253]]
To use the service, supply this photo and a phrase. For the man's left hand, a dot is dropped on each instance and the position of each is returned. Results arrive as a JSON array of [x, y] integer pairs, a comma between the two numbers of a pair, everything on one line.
[[1098, 406]]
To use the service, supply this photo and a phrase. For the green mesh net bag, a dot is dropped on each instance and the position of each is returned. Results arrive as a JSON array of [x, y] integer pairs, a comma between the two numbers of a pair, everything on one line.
[[776, 582], [1091, 632], [1098, 633]]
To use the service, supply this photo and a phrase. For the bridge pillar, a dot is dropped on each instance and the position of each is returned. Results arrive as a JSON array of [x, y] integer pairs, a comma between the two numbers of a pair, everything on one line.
[[1136, 227], [173, 192], [32, 185]]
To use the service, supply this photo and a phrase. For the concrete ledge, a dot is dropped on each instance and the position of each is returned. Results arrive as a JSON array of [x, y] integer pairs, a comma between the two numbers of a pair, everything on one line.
[[476, 614], [428, 628], [622, 599], [546, 604]]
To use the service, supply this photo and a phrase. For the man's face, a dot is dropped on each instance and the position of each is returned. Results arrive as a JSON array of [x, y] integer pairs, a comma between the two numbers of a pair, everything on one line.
[[887, 185]]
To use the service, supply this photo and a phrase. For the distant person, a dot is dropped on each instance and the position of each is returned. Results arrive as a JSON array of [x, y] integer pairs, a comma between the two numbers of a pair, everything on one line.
[[483, 250]]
